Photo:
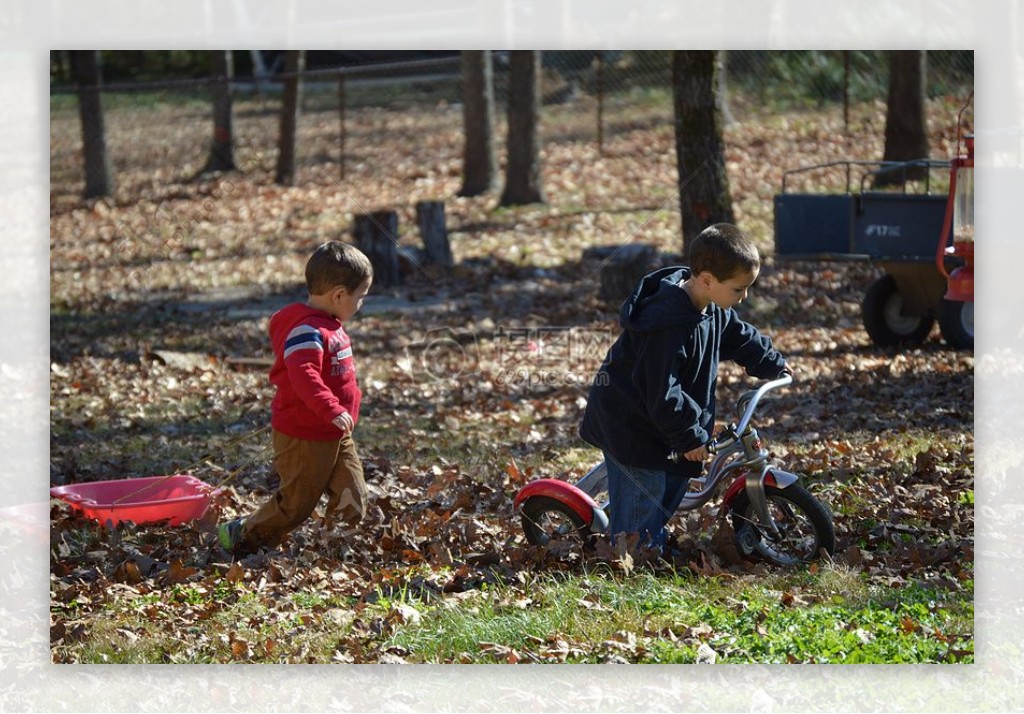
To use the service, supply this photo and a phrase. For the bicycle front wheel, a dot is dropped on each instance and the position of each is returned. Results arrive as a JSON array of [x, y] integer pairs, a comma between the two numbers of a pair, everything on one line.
[[804, 524]]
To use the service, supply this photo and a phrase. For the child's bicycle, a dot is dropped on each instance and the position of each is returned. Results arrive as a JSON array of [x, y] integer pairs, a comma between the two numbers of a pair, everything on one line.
[[773, 516]]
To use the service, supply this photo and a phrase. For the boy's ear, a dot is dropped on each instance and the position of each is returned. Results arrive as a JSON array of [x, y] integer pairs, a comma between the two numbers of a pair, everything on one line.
[[704, 277]]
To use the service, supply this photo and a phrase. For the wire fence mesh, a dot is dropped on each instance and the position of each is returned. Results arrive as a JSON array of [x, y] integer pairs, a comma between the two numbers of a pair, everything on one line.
[[361, 122]]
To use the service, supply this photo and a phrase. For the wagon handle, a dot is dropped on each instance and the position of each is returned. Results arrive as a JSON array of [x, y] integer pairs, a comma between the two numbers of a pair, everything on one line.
[[200, 462], [847, 165], [947, 222]]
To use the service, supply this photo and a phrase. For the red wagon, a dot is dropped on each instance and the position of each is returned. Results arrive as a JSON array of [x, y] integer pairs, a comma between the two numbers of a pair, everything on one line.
[[176, 499]]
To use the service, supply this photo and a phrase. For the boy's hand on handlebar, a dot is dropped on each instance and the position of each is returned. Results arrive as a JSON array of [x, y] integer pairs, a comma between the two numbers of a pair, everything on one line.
[[698, 454]]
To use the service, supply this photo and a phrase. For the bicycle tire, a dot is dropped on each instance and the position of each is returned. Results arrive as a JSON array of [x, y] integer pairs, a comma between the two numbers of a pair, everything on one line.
[[544, 517], [751, 540]]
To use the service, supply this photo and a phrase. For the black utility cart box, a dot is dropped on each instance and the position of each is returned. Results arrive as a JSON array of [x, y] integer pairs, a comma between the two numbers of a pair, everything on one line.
[[895, 229]]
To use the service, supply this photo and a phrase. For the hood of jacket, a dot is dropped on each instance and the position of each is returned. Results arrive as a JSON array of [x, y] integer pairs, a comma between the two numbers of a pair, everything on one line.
[[659, 302]]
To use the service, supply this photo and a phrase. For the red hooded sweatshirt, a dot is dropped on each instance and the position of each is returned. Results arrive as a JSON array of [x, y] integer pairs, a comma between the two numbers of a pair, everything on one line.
[[314, 373]]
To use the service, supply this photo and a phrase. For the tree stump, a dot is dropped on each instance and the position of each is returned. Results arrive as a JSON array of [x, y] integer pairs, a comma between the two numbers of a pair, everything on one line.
[[376, 234], [431, 220], [622, 269]]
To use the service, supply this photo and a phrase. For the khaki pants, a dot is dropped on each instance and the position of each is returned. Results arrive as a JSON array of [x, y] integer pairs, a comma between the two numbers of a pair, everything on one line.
[[308, 469]]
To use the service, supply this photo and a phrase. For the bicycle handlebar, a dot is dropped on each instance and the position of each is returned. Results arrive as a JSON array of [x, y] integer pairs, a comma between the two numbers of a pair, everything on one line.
[[782, 381], [751, 399]]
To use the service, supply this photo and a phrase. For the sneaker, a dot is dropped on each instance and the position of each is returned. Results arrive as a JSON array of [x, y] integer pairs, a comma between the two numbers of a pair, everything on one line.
[[230, 534]]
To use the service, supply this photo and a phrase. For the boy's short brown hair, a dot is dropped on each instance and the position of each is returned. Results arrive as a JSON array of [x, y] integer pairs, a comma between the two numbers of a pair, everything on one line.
[[336, 264], [723, 250]]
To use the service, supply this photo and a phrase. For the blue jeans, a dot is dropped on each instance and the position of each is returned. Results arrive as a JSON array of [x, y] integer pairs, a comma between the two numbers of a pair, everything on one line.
[[643, 500]]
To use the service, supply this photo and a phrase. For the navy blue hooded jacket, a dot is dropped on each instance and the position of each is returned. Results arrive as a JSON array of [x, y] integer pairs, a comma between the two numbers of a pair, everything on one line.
[[655, 392]]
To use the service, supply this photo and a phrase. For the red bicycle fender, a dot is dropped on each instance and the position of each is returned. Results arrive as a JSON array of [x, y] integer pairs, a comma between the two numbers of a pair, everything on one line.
[[581, 503], [735, 488]]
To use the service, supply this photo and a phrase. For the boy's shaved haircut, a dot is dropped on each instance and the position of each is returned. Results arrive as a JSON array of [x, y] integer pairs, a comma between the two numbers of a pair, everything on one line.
[[723, 250], [335, 263]]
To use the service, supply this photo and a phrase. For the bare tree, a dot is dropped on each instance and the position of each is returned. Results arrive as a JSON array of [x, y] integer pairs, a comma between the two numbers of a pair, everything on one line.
[[700, 155], [222, 156], [906, 127], [479, 157], [522, 167], [294, 62], [721, 79], [260, 72], [99, 179]]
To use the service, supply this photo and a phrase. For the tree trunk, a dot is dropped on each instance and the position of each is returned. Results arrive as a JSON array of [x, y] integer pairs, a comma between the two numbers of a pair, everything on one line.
[[906, 128], [60, 63], [431, 221], [342, 133], [846, 91], [99, 180], [522, 167], [600, 102], [259, 72], [222, 157], [700, 155], [722, 84], [376, 234], [479, 157], [294, 61]]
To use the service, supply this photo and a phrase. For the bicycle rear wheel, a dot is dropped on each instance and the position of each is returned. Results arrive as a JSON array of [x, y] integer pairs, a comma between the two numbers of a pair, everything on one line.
[[545, 519]]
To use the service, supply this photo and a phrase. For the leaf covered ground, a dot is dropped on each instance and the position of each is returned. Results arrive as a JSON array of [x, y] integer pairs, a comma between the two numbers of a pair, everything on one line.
[[474, 383]]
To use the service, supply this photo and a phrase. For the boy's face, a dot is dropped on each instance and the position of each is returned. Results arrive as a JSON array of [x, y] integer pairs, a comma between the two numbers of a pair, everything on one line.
[[731, 292], [347, 303]]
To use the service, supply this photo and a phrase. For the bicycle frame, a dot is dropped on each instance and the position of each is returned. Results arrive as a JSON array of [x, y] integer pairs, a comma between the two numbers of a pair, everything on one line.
[[737, 452], [739, 449]]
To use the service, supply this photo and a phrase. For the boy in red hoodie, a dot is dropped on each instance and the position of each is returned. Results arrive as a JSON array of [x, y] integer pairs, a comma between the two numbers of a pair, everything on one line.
[[316, 406]]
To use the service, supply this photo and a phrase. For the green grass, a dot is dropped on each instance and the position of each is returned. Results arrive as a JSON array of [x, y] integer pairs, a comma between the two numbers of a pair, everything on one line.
[[829, 616]]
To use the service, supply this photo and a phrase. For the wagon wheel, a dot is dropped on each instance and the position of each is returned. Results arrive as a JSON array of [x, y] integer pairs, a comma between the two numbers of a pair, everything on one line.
[[884, 319], [956, 321]]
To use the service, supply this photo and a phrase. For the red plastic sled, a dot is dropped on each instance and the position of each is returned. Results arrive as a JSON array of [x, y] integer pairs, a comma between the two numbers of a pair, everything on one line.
[[177, 499]]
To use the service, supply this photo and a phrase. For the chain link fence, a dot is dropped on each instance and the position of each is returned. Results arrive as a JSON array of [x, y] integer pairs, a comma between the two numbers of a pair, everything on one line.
[[361, 122]]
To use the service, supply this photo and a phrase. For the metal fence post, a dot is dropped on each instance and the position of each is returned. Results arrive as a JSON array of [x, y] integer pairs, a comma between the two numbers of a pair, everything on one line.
[[341, 123]]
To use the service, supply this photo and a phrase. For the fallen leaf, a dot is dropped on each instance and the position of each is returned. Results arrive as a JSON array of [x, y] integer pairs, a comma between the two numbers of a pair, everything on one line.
[[706, 655], [235, 573], [127, 572], [177, 573], [405, 614]]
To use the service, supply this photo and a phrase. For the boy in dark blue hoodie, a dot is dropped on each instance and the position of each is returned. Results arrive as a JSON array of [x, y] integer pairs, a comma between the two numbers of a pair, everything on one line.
[[651, 408]]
